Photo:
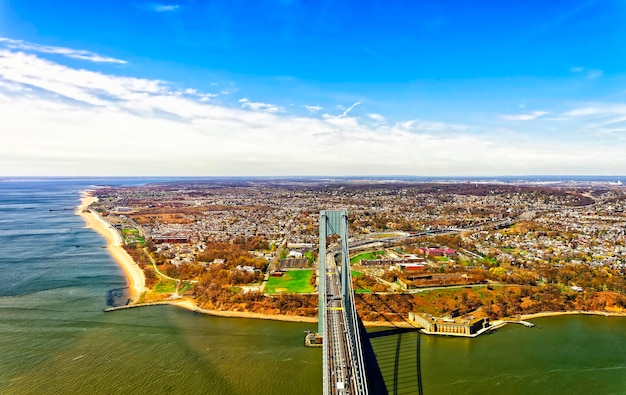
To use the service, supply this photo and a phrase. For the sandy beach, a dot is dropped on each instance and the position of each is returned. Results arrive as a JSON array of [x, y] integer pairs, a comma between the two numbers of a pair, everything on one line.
[[134, 275], [575, 312]]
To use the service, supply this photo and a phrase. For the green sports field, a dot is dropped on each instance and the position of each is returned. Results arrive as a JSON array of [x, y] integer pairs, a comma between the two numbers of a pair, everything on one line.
[[294, 281]]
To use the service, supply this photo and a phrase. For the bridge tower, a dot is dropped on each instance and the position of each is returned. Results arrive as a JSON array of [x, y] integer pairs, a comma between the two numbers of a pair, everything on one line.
[[332, 223]]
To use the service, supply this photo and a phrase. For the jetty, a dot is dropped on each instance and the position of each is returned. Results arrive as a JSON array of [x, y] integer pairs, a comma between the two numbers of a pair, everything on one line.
[[131, 306], [525, 323]]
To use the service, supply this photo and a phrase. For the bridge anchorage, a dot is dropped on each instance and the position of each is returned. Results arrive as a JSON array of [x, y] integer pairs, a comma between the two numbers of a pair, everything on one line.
[[338, 325]]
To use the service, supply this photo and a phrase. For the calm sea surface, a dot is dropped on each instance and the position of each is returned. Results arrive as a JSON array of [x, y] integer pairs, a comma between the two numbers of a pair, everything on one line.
[[55, 339]]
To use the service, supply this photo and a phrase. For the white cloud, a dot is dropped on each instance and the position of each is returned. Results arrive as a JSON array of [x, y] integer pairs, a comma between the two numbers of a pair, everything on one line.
[[525, 117], [430, 126], [376, 117], [313, 108], [76, 84], [258, 106], [598, 109], [587, 73], [70, 53], [343, 114], [60, 120], [165, 7]]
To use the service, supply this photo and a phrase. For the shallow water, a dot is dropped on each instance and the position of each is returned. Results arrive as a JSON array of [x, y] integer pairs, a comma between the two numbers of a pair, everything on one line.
[[55, 338]]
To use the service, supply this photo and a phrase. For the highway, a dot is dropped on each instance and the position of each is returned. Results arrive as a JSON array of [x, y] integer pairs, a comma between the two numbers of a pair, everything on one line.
[[344, 361]]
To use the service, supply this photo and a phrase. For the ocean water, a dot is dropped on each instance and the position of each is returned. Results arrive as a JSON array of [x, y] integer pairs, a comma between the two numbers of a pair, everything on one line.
[[55, 338]]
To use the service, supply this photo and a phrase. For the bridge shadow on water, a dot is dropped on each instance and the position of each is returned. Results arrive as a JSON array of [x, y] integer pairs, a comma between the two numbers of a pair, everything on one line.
[[393, 360]]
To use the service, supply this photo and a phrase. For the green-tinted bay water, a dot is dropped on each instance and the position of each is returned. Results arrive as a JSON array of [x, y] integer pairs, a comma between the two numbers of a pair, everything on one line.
[[153, 350], [567, 354]]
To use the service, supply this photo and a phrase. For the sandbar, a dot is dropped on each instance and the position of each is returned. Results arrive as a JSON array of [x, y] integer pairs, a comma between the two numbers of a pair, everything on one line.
[[134, 275]]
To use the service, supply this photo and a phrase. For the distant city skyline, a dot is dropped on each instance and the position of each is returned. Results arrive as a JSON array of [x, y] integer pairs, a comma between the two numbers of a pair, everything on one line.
[[191, 88]]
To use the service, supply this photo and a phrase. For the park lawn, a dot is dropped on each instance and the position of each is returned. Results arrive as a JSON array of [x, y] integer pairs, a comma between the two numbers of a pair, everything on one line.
[[165, 286], [135, 240], [294, 281], [368, 256], [490, 261], [185, 286], [355, 274], [131, 236]]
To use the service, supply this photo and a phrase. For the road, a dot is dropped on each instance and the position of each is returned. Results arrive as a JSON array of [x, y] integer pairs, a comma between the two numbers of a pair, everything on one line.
[[340, 381]]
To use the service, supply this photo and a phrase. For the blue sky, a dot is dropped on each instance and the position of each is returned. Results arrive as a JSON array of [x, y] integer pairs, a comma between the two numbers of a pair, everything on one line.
[[312, 87]]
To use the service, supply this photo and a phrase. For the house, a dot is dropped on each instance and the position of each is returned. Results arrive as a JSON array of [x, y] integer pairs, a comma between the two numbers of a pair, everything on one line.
[[295, 254], [410, 266]]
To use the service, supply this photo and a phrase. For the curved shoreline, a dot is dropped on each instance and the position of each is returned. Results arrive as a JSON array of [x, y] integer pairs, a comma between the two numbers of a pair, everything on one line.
[[191, 306], [133, 273], [574, 312]]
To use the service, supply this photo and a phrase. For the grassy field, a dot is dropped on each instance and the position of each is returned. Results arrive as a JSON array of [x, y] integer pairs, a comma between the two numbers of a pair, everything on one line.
[[165, 286], [295, 281], [131, 236], [490, 261], [370, 255], [283, 253]]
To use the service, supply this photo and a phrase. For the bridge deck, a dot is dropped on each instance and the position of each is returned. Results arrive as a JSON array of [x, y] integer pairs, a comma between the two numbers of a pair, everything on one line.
[[344, 368]]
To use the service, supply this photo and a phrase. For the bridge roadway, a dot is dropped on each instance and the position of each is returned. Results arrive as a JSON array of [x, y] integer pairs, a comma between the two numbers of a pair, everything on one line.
[[344, 368]]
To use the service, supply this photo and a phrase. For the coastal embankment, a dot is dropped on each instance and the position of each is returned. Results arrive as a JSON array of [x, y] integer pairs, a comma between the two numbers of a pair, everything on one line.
[[189, 305], [134, 275]]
